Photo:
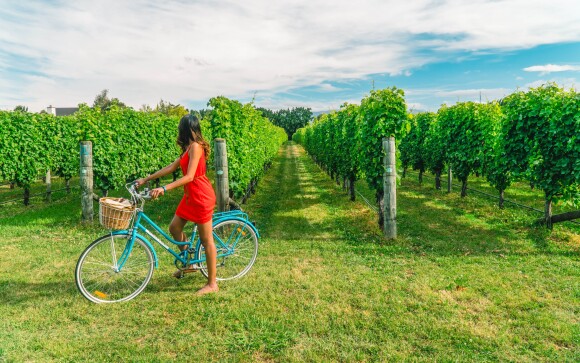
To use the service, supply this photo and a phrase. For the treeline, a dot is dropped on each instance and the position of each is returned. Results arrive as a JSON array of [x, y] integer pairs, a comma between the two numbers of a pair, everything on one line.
[[128, 144], [532, 136], [290, 119]]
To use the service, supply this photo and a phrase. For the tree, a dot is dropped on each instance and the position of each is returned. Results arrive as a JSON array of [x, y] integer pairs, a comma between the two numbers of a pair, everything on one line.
[[21, 108], [203, 113], [169, 109], [289, 119], [297, 118], [269, 114], [103, 101], [145, 108]]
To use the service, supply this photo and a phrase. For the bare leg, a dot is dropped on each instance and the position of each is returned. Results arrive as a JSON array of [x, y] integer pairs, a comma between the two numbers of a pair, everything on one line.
[[206, 236], [176, 230]]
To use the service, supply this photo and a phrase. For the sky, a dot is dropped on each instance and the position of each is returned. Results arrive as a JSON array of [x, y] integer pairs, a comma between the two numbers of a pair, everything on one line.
[[279, 54]]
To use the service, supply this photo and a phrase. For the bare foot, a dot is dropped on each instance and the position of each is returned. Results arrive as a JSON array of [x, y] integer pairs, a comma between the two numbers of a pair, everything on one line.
[[207, 289]]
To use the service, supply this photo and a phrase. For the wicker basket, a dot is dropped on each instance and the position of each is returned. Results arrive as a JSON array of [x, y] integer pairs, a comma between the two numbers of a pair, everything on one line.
[[115, 213]]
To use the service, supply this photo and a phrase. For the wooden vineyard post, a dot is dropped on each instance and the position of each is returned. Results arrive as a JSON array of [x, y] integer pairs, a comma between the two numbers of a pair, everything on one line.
[[390, 188], [221, 175], [449, 179], [86, 179], [48, 182]]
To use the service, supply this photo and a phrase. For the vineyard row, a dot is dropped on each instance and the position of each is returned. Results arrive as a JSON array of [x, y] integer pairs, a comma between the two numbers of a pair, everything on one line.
[[129, 144], [532, 136]]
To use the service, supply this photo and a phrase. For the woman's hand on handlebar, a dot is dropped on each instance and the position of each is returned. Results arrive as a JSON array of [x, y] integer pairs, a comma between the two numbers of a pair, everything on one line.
[[140, 182], [155, 193]]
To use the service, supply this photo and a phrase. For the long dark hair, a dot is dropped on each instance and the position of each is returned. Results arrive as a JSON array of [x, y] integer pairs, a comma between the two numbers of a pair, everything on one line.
[[190, 131]]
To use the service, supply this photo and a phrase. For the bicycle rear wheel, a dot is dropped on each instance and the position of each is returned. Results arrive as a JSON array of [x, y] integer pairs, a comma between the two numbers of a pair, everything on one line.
[[237, 244], [98, 277]]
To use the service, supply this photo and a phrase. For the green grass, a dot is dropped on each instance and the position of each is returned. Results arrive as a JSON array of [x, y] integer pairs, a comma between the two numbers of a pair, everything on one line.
[[463, 282], [518, 192], [12, 199]]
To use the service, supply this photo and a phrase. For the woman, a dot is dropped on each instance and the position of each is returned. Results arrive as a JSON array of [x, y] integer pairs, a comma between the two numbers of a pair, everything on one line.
[[198, 201]]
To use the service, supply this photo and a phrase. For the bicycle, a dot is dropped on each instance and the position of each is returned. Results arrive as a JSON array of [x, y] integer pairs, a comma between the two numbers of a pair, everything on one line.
[[118, 266]]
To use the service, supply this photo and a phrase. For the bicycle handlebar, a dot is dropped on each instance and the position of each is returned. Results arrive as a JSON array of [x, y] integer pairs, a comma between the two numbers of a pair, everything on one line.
[[131, 187]]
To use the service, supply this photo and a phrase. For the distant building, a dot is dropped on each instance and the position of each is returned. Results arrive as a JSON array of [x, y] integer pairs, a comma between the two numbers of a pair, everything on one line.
[[61, 111]]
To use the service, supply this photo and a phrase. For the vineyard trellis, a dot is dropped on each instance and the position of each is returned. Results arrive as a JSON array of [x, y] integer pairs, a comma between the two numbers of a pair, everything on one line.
[[532, 135], [128, 144], [349, 143]]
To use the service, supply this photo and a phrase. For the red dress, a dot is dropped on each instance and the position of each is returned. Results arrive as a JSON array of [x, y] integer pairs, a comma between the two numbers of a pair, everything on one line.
[[199, 199]]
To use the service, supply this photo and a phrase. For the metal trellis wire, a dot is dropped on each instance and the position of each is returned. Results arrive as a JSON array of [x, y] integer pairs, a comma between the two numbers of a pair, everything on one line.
[[35, 195]]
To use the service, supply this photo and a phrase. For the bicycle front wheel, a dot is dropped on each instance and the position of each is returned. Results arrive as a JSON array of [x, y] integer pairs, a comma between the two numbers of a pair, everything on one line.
[[99, 277], [237, 248]]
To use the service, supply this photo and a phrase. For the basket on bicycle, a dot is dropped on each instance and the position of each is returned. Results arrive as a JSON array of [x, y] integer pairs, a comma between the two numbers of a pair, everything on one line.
[[115, 213]]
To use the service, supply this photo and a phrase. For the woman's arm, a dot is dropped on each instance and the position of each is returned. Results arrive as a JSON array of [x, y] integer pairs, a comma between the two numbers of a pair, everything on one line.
[[195, 152], [160, 173]]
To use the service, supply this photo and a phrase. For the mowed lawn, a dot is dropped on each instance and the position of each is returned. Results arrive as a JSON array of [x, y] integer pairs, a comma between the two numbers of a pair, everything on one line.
[[463, 282]]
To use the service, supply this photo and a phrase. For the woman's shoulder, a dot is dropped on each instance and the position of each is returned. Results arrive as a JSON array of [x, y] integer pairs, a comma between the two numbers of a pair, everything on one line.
[[194, 146]]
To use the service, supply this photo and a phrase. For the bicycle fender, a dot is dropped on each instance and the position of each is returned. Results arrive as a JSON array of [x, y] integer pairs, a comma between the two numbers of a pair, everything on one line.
[[238, 219], [137, 235]]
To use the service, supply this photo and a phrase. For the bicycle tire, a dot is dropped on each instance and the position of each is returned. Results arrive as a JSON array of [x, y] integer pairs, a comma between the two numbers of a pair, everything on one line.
[[245, 252], [95, 274]]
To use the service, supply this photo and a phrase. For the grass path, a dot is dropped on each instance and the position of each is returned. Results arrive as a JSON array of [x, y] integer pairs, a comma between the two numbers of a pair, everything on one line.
[[462, 283]]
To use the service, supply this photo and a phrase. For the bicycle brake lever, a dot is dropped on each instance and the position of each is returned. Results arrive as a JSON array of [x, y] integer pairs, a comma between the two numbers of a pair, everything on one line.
[[145, 194]]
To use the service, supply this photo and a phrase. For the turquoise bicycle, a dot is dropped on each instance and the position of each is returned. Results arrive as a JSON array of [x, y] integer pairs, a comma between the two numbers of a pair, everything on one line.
[[118, 266]]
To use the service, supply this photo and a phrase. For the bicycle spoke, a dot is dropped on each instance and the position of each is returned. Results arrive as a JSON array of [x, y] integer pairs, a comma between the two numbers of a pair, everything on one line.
[[113, 252], [99, 263]]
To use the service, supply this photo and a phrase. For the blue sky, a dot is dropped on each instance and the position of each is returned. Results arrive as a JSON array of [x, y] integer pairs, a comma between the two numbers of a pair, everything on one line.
[[313, 53], [465, 77]]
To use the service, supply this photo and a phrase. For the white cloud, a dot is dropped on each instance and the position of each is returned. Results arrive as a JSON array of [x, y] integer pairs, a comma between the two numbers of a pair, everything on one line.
[[315, 106], [416, 107], [566, 83], [549, 68], [474, 94], [181, 51], [327, 87]]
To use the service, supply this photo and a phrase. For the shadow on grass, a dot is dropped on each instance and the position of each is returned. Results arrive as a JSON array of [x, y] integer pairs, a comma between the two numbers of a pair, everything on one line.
[[429, 225], [20, 292], [284, 194]]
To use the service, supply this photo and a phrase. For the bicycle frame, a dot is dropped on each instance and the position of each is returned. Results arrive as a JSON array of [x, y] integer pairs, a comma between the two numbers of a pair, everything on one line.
[[225, 248]]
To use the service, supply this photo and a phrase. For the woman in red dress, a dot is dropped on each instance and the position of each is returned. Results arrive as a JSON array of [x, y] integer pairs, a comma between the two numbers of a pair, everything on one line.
[[198, 201]]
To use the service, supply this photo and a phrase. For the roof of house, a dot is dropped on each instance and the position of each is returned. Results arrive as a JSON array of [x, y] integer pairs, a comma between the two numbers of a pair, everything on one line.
[[65, 111]]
